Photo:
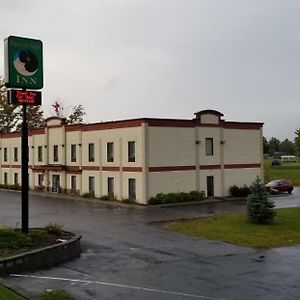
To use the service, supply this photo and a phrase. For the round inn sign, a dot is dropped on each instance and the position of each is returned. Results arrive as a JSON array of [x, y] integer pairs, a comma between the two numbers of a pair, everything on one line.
[[23, 63]]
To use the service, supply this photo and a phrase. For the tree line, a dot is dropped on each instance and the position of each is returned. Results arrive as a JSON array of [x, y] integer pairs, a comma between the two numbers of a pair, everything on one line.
[[11, 115], [274, 146]]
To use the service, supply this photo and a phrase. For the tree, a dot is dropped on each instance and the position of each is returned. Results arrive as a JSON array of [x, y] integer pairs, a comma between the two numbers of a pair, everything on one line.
[[274, 145], [297, 142], [35, 118], [266, 146], [259, 208], [77, 115], [287, 147], [9, 114]]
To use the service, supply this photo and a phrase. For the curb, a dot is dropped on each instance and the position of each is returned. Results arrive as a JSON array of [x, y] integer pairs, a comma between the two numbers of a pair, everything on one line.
[[42, 258], [18, 290]]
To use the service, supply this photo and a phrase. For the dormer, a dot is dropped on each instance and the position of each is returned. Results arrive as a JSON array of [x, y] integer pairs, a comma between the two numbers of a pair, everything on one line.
[[208, 116], [55, 121]]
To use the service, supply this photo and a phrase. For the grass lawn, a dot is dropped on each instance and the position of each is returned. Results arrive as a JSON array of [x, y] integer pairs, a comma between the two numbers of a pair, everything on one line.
[[290, 171], [235, 229], [7, 294], [56, 295]]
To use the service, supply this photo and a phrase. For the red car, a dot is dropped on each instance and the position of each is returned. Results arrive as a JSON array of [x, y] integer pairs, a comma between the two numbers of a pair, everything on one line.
[[279, 186]]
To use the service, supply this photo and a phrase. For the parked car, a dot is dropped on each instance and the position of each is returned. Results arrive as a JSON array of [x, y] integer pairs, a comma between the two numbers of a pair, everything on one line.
[[276, 162], [279, 186]]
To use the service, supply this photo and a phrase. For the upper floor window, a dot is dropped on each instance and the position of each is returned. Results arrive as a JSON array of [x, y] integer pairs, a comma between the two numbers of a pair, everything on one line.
[[110, 152], [15, 154], [209, 146], [131, 151], [40, 153], [91, 152], [73, 153], [5, 154], [55, 153]]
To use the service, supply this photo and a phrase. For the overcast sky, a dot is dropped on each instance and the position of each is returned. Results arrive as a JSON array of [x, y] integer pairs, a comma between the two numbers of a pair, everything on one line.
[[167, 58]]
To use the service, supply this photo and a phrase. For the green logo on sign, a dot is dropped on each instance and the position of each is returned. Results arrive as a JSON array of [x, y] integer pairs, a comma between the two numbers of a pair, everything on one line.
[[23, 63]]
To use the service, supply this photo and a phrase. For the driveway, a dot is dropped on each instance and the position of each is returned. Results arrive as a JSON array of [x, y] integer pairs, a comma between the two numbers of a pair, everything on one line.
[[125, 256]]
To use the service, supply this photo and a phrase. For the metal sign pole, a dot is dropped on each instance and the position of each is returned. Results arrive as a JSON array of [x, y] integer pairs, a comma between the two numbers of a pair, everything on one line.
[[24, 172]]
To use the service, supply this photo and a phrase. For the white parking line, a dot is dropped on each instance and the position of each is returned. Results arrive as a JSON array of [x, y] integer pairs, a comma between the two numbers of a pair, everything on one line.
[[119, 286]]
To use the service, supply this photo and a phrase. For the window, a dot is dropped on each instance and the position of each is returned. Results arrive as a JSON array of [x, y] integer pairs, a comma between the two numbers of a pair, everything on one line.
[[91, 153], [209, 146], [110, 152], [110, 186], [73, 153], [5, 154], [131, 188], [40, 180], [15, 154], [16, 181], [40, 153], [5, 178], [131, 151], [55, 153], [91, 184], [73, 184]]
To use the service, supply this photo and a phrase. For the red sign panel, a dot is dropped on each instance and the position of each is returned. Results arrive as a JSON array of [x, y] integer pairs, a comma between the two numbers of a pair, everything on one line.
[[19, 97]]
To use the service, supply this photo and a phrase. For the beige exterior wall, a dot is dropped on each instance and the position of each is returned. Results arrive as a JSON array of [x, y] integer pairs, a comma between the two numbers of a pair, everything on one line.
[[171, 146], [170, 156], [242, 146], [173, 181]]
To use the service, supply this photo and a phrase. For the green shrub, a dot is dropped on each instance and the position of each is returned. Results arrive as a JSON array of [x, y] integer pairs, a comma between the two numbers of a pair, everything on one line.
[[259, 208], [162, 198], [236, 191], [88, 195], [128, 200]]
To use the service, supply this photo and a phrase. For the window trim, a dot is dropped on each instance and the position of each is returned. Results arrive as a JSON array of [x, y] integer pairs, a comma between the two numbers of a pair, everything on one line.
[[91, 152], [109, 158], [73, 153], [209, 151], [40, 153], [131, 157], [55, 153], [16, 154]]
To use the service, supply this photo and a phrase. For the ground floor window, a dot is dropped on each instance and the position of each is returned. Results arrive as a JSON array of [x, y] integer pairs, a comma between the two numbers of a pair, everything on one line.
[[16, 179], [5, 178], [91, 184], [55, 183], [132, 188], [110, 186], [40, 180], [73, 184]]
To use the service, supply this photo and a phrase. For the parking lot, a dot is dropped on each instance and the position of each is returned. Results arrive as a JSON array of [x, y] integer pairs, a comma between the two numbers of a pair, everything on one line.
[[126, 256]]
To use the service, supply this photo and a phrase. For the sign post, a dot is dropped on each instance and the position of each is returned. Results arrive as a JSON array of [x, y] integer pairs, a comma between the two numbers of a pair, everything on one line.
[[24, 70]]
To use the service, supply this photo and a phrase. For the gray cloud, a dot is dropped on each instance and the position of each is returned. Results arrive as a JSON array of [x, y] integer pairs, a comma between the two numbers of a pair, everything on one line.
[[175, 57]]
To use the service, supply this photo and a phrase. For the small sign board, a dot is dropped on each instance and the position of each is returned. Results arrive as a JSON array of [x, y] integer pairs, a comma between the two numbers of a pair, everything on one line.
[[19, 97], [23, 63]]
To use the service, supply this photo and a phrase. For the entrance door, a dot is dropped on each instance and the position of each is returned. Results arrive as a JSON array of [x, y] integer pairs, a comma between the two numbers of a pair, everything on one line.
[[55, 183], [210, 186]]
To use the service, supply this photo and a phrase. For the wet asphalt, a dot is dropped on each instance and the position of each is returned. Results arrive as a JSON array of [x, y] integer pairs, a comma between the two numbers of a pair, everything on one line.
[[127, 255]]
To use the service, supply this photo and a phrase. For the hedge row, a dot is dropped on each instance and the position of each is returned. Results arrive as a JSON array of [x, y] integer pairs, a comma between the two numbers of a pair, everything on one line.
[[176, 197], [10, 187]]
